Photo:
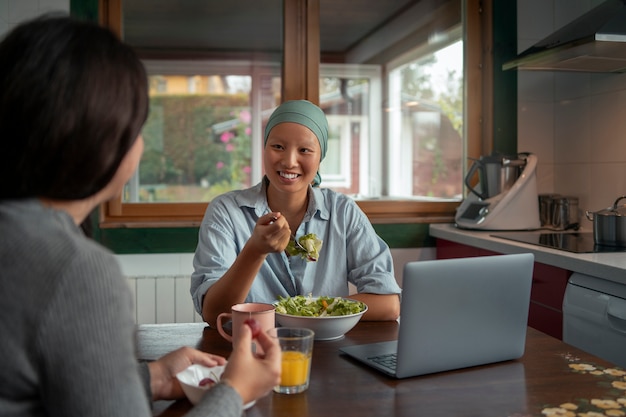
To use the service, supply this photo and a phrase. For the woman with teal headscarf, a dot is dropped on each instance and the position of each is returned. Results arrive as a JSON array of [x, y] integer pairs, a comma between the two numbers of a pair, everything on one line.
[[306, 114], [247, 250]]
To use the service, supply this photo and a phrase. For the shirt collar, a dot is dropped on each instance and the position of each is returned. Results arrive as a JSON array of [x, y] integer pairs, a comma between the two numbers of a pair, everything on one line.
[[256, 198]]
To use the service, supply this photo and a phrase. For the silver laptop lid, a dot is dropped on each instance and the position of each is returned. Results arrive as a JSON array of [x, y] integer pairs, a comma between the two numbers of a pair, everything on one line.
[[457, 313]]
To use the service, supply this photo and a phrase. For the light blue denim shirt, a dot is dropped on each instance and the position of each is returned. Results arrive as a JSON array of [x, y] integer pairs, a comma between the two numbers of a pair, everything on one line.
[[351, 250]]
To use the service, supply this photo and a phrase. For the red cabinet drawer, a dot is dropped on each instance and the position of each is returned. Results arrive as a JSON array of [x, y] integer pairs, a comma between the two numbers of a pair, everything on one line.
[[447, 250], [549, 284], [546, 319]]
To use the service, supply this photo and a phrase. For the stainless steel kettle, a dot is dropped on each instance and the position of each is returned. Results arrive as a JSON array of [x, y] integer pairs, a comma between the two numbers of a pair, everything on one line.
[[496, 174]]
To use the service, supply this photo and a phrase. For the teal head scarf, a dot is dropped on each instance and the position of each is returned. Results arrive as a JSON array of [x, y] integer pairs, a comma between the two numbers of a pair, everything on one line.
[[307, 114]]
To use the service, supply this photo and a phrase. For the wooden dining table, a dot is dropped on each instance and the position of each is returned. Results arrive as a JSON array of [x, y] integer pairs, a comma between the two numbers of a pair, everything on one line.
[[551, 378]]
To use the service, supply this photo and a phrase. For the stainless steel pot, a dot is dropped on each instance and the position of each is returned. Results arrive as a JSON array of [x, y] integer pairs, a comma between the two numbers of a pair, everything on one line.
[[564, 214], [609, 225]]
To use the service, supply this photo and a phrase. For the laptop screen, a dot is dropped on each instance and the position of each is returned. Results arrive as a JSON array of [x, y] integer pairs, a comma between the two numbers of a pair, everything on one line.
[[463, 312]]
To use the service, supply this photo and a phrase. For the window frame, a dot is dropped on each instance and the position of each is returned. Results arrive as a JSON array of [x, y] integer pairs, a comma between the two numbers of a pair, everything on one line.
[[343, 177], [300, 80]]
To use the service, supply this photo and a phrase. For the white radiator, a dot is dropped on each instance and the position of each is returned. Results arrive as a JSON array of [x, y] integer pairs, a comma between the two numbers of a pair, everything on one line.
[[163, 299]]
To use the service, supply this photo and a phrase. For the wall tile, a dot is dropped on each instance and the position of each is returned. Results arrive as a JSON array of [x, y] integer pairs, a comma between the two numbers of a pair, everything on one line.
[[535, 86], [4, 12], [545, 178], [604, 83], [608, 182], [572, 127], [536, 129], [4, 29], [535, 134], [571, 85], [573, 180], [535, 20], [20, 10], [13, 12], [608, 127], [567, 10], [46, 6]]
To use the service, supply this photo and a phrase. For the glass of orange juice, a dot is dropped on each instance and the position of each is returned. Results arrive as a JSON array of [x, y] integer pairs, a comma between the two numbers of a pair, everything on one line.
[[297, 348]]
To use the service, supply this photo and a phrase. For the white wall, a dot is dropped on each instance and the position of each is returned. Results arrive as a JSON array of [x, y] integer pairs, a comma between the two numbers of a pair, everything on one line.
[[13, 12], [574, 122]]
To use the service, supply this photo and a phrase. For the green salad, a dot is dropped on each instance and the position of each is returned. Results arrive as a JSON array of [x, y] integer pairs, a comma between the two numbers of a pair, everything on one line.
[[318, 306], [308, 249]]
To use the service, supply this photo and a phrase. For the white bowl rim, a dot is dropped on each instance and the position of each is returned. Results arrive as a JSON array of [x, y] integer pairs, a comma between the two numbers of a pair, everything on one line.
[[325, 317]]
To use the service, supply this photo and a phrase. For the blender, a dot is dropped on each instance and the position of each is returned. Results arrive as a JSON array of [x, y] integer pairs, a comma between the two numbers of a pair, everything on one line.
[[505, 197]]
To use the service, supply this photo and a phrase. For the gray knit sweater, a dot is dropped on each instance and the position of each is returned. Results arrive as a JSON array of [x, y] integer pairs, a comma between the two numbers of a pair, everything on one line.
[[66, 327]]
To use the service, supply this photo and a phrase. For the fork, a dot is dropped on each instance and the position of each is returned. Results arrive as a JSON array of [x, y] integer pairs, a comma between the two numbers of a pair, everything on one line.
[[298, 244]]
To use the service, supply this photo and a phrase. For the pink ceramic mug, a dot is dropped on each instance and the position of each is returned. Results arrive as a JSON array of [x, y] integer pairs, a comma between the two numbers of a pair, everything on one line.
[[261, 312]]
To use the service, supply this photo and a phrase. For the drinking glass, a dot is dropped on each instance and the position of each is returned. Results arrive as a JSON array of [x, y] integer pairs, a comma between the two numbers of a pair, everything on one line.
[[296, 345]]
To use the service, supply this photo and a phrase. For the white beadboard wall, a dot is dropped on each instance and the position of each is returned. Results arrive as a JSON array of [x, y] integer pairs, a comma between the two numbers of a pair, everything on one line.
[[160, 283]]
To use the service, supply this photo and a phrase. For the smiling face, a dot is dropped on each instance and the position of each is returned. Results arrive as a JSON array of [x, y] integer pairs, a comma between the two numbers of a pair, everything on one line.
[[291, 157]]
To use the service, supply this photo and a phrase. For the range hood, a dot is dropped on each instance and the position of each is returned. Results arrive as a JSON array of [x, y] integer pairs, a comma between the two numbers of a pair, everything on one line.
[[595, 42]]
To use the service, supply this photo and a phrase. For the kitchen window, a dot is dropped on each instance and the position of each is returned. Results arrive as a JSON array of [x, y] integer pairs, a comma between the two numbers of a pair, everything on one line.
[[425, 113], [204, 133], [364, 103]]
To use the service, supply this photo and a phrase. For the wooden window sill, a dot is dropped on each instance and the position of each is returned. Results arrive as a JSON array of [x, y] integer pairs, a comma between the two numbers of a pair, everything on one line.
[[382, 211]]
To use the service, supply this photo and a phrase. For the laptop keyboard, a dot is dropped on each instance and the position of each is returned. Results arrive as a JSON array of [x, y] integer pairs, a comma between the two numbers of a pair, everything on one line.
[[388, 360]]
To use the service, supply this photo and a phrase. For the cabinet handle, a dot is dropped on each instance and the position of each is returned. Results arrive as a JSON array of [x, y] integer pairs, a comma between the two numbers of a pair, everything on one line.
[[616, 313]]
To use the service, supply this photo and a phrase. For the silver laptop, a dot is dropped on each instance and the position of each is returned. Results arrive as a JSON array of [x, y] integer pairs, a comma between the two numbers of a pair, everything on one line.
[[456, 313]]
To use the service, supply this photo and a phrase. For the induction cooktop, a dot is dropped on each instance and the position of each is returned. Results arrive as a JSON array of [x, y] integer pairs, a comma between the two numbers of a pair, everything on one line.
[[579, 242]]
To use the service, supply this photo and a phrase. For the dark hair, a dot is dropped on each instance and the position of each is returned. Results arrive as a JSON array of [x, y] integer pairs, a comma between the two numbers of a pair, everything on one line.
[[73, 99]]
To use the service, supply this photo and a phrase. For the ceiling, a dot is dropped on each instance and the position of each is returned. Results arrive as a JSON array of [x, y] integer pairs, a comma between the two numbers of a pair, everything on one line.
[[249, 25]]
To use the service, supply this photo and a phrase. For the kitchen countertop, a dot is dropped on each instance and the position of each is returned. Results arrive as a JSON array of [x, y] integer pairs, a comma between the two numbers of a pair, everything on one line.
[[609, 266]]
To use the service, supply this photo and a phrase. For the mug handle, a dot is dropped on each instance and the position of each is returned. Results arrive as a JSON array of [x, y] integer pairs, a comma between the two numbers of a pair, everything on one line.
[[219, 326]]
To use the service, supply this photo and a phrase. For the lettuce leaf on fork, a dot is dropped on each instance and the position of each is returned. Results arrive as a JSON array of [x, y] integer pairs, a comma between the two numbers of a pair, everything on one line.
[[309, 248]]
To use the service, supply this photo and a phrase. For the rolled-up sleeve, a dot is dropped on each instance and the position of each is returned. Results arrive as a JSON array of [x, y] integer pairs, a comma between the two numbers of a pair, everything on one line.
[[370, 265], [217, 250]]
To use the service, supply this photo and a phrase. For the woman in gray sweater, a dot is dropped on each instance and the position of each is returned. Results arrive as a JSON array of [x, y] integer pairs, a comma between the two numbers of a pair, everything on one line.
[[73, 100]]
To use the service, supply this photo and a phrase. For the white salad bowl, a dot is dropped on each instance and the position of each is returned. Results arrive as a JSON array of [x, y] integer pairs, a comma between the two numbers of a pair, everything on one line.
[[326, 327]]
